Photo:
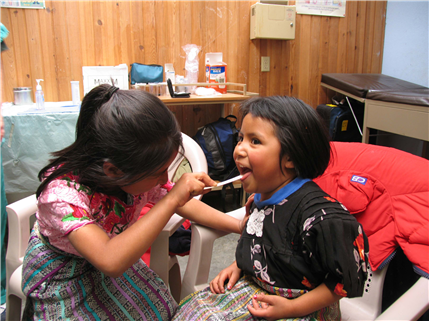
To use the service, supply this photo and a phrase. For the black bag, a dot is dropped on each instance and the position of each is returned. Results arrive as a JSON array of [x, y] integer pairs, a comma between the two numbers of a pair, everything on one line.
[[218, 140], [141, 73], [341, 122]]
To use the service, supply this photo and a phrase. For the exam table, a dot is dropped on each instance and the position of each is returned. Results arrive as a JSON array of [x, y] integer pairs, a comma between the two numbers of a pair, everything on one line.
[[391, 104]]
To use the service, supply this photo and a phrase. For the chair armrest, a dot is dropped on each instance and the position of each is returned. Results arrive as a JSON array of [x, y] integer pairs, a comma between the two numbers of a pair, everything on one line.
[[18, 216], [160, 253], [411, 305], [200, 256], [173, 224], [160, 258]]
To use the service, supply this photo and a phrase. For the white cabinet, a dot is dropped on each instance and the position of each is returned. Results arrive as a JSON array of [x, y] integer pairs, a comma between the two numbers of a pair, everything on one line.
[[272, 21]]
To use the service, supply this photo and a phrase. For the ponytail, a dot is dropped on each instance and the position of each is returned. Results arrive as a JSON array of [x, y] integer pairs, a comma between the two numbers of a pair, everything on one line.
[[91, 103]]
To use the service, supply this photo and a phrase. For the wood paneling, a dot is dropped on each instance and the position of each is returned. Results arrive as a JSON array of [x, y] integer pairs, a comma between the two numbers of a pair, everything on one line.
[[54, 44]]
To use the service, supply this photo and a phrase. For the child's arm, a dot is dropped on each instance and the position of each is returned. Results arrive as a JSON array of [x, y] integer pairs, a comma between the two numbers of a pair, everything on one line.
[[231, 273], [275, 307], [206, 215], [113, 256]]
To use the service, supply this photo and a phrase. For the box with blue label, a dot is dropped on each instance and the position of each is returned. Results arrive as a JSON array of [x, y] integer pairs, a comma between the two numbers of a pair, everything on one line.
[[216, 71]]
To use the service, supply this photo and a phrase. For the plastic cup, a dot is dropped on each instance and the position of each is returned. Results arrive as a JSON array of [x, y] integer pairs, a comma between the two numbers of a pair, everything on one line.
[[153, 89]]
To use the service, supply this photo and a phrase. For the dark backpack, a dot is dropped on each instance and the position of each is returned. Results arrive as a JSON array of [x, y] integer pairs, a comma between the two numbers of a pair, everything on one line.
[[341, 122], [218, 140]]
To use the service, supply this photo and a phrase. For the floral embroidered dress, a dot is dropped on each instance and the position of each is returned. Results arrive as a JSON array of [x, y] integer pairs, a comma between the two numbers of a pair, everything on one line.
[[292, 243], [60, 284]]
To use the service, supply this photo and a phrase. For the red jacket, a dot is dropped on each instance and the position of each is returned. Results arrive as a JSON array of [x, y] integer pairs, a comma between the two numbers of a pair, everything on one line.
[[388, 192]]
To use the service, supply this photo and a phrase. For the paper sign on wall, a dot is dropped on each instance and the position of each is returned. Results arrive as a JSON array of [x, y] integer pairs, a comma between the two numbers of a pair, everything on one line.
[[34, 4], [333, 8]]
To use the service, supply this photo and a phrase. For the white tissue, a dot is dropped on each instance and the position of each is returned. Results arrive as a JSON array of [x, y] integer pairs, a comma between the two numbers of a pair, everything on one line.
[[202, 91]]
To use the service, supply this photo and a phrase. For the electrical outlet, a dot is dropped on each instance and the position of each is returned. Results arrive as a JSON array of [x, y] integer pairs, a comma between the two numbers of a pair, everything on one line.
[[265, 63]]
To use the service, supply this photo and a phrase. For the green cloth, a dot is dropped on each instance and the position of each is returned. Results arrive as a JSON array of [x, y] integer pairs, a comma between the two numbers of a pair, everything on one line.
[[3, 237], [3, 34]]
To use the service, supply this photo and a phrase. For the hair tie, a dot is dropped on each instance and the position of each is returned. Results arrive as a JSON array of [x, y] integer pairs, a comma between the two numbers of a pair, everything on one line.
[[111, 91]]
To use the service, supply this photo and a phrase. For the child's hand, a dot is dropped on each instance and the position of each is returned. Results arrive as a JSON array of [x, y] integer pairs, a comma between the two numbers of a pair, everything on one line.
[[270, 307], [273, 307], [190, 185], [231, 273]]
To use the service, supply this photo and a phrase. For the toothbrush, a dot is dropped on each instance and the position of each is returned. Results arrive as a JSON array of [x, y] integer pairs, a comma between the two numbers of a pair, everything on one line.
[[236, 178]]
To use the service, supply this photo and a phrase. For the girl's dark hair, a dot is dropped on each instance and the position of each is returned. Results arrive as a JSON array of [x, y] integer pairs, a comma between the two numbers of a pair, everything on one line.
[[131, 129], [303, 138]]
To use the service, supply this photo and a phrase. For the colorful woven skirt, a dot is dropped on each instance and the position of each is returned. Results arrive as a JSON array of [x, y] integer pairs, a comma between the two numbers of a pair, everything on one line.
[[232, 305], [62, 286]]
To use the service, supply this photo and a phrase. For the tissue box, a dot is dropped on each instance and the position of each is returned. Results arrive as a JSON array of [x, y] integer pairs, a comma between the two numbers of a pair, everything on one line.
[[94, 76]]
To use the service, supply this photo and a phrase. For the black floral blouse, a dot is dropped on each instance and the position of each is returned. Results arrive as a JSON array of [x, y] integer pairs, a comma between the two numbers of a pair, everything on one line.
[[306, 239]]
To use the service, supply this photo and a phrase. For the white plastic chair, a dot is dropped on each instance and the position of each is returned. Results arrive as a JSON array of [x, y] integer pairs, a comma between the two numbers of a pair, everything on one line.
[[18, 215], [200, 255], [166, 266], [367, 307], [161, 262], [410, 306]]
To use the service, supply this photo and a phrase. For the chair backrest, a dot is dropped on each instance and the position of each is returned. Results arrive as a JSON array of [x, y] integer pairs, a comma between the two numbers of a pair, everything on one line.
[[411, 305], [160, 260], [18, 215], [367, 307], [194, 154]]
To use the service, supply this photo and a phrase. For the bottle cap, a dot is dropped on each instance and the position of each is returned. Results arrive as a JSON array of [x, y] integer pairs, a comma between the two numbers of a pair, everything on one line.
[[39, 87]]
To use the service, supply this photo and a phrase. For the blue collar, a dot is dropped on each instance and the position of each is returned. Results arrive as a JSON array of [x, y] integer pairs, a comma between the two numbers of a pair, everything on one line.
[[282, 193]]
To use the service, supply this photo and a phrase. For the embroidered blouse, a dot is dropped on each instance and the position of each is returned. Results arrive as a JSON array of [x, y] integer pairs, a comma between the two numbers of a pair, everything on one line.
[[65, 205]]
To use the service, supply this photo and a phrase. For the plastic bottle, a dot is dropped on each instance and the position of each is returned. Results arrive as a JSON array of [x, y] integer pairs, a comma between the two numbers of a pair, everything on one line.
[[40, 97], [170, 73]]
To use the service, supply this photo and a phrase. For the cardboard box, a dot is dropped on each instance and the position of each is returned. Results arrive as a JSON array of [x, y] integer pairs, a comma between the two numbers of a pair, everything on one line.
[[94, 76], [216, 71]]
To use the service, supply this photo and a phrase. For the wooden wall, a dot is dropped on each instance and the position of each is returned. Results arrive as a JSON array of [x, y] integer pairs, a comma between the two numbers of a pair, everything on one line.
[[54, 44]]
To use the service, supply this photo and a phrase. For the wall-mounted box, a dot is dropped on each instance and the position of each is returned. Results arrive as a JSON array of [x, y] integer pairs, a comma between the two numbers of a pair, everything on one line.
[[272, 21]]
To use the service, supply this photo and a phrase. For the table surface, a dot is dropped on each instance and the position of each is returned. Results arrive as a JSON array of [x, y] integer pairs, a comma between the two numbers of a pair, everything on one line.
[[31, 135], [67, 106], [195, 100]]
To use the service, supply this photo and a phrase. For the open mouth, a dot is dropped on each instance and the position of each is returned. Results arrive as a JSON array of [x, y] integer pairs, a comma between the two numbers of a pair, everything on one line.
[[245, 171]]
